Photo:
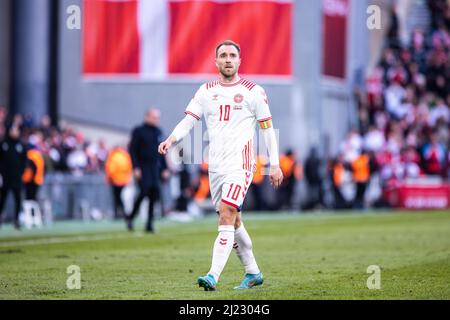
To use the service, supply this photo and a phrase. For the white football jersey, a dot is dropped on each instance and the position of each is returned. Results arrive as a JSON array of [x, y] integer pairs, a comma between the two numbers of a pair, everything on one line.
[[231, 113]]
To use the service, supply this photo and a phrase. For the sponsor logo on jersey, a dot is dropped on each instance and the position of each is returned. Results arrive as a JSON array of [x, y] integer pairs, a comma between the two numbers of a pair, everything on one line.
[[238, 98], [215, 96], [237, 108]]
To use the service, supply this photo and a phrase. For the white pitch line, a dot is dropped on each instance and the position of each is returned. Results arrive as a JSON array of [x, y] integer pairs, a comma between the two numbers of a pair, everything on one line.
[[63, 240]]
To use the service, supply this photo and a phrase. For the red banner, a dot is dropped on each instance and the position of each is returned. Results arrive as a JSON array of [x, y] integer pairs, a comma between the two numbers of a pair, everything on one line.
[[160, 37], [110, 37], [334, 42], [419, 196], [262, 28]]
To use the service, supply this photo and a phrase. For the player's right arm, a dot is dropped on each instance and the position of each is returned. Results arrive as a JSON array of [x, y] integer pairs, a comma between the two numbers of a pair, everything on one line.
[[180, 131], [194, 112]]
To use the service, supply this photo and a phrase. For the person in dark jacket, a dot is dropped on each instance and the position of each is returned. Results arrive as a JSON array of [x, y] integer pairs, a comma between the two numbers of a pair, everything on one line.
[[149, 167], [12, 165], [313, 180]]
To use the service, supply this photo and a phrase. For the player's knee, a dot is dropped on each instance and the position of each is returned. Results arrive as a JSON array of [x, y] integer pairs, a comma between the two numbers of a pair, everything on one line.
[[227, 215]]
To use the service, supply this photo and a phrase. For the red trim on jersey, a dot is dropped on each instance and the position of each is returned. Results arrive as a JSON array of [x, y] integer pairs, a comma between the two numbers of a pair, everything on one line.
[[230, 84], [245, 159], [247, 156], [266, 119], [230, 204], [212, 84], [192, 114], [248, 84], [250, 147]]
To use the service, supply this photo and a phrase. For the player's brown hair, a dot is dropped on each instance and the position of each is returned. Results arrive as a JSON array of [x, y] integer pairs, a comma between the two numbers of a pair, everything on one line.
[[229, 43]]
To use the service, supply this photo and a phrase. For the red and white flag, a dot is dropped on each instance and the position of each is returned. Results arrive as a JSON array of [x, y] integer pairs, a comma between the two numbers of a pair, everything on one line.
[[159, 38]]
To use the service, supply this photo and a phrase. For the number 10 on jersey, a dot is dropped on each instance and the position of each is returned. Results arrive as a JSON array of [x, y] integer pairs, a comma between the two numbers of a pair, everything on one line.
[[225, 112]]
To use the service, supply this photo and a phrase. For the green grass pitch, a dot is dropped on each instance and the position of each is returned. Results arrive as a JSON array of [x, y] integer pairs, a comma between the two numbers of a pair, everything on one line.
[[302, 256]]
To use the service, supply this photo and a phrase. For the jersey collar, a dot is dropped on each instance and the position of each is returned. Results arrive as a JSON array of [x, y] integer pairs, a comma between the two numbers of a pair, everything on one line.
[[230, 84]]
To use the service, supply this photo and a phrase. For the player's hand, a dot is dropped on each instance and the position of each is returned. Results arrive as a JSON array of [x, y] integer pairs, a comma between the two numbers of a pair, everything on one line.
[[275, 176], [165, 145]]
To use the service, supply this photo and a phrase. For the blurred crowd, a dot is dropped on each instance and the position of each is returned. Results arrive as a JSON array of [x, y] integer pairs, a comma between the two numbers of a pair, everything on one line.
[[63, 149], [404, 114]]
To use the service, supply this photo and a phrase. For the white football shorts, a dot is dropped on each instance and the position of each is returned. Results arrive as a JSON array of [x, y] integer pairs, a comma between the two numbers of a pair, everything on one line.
[[230, 188]]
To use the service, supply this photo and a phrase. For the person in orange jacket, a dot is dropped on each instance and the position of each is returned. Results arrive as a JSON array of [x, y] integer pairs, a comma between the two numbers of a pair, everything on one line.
[[119, 171], [202, 191], [362, 168], [292, 171], [337, 169], [33, 175]]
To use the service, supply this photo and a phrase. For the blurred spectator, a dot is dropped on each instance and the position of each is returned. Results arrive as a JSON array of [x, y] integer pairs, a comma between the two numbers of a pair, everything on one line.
[[313, 180], [410, 161], [186, 190], [77, 160], [119, 172], [394, 95], [149, 166], [202, 190], [351, 146], [258, 183], [393, 32], [433, 154], [337, 171], [185, 184], [33, 176], [361, 169], [374, 140], [439, 111], [292, 172], [12, 164], [45, 126]]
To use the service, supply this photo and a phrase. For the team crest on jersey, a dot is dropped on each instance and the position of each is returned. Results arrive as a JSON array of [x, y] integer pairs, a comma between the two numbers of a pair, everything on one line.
[[238, 98]]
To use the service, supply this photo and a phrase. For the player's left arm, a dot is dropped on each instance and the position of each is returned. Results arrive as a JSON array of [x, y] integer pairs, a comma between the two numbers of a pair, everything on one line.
[[275, 174], [266, 126]]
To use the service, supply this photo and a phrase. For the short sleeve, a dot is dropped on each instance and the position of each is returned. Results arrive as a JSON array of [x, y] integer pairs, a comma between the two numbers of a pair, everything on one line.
[[195, 106], [261, 105]]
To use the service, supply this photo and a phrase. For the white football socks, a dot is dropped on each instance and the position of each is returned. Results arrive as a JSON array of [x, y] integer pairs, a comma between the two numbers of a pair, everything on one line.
[[244, 250], [222, 249]]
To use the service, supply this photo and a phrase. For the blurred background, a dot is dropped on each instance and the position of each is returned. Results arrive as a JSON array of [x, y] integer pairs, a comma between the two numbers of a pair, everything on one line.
[[359, 91]]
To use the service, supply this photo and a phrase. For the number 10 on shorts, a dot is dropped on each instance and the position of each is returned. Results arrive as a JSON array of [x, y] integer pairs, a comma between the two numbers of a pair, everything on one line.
[[234, 193]]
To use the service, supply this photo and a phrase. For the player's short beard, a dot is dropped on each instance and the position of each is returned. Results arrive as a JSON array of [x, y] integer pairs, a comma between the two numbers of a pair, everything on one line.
[[227, 76]]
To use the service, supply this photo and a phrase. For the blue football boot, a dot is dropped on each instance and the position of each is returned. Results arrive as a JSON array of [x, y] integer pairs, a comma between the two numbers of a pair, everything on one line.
[[251, 280], [207, 282]]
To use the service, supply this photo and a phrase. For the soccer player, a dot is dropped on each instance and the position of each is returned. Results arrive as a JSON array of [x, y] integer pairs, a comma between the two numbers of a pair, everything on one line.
[[232, 106]]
